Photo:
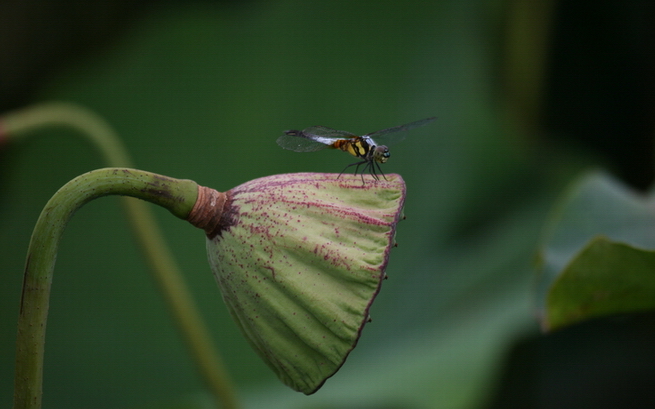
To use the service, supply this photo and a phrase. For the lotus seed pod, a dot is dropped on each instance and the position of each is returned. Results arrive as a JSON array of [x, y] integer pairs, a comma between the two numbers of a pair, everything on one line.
[[299, 258]]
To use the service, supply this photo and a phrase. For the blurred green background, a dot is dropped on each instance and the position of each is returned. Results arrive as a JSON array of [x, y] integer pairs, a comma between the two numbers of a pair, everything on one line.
[[527, 94]]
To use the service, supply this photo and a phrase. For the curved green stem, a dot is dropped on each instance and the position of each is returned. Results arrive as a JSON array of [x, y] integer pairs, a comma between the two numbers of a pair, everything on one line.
[[18, 124], [178, 196], [164, 268]]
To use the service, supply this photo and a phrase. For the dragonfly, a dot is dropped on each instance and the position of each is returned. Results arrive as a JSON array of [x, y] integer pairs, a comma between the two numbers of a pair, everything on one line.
[[369, 148]]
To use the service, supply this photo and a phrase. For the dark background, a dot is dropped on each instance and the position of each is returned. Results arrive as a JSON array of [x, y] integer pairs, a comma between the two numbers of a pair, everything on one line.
[[527, 95]]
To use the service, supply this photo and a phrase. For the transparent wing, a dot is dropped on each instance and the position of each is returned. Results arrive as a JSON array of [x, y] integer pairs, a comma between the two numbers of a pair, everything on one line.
[[311, 139], [300, 143], [324, 131], [397, 133]]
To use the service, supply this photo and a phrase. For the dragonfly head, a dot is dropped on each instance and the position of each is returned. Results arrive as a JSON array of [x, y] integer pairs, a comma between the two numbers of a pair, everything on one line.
[[381, 154]]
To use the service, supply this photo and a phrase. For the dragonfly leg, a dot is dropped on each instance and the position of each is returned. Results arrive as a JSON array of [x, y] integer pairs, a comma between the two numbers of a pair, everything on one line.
[[371, 170], [356, 164], [369, 167], [380, 170]]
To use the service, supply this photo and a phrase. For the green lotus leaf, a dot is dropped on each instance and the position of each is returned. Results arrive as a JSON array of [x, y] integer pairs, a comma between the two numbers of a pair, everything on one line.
[[299, 259], [594, 259], [605, 278]]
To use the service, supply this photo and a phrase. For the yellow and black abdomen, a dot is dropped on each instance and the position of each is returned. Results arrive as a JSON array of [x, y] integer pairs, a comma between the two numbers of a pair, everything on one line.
[[357, 147]]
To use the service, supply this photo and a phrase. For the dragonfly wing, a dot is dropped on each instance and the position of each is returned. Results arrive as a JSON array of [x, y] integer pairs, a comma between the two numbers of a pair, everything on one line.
[[397, 133], [311, 139], [298, 142], [324, 131]]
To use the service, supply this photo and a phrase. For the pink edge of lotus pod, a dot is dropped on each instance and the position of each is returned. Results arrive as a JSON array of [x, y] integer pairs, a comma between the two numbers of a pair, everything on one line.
[[299, 259]]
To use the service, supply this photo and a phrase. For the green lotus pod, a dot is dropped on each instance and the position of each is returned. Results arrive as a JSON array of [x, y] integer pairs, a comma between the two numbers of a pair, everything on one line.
[[299, 259]]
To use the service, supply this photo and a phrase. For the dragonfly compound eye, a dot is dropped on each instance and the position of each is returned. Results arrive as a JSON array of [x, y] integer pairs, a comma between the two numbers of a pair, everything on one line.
[[381, 154]]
